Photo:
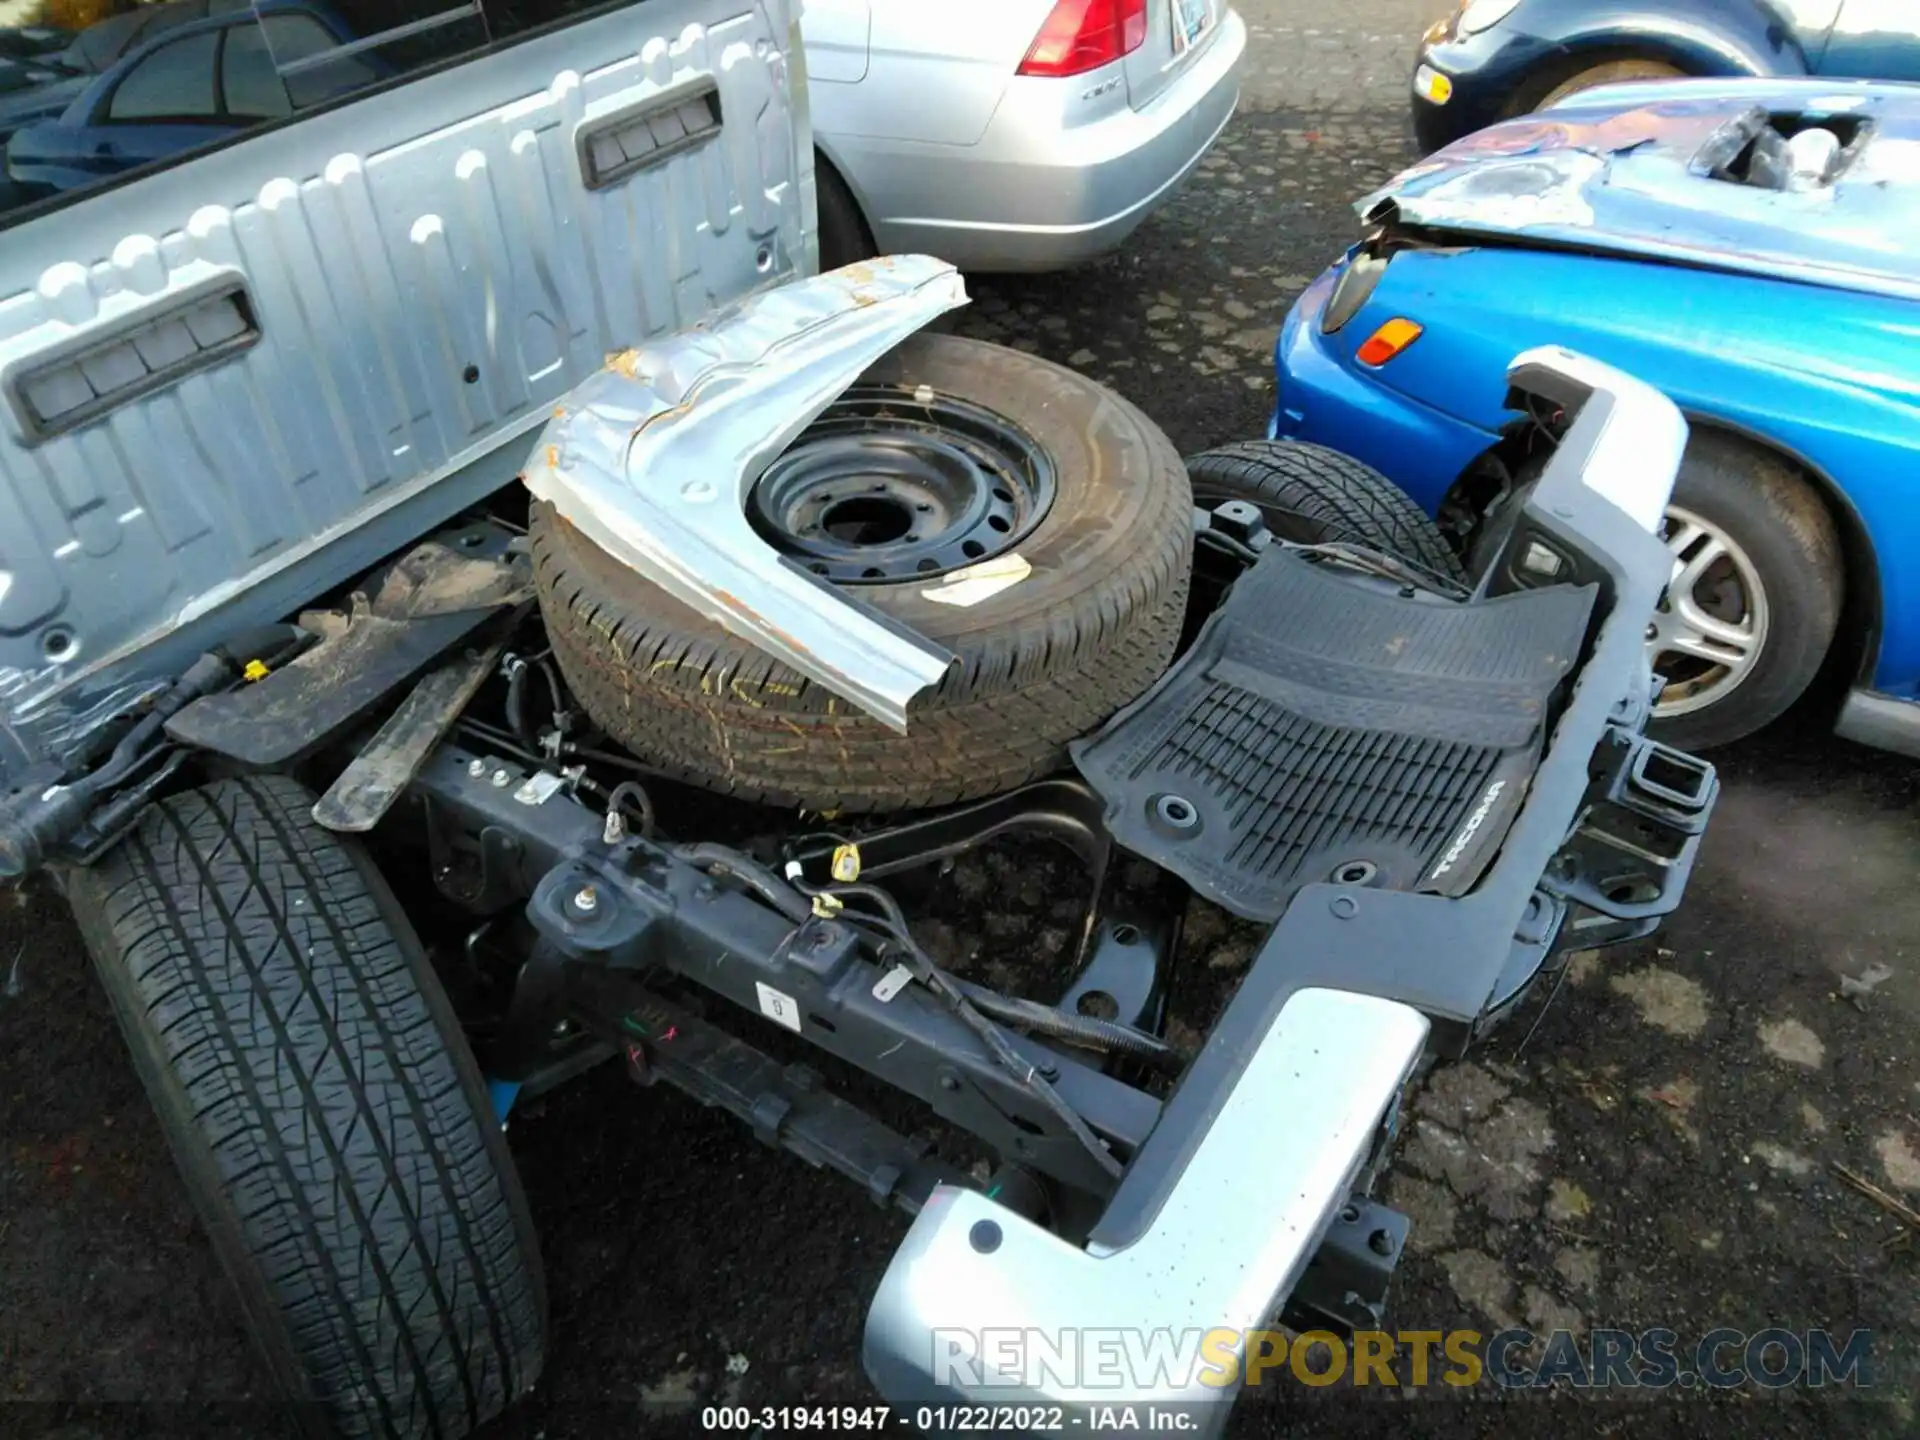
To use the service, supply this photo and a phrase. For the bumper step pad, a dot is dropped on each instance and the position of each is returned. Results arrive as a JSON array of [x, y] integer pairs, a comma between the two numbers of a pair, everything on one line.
[[1328, 726]]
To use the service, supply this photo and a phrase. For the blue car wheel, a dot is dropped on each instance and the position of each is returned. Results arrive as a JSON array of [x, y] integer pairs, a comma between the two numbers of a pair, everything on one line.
[[1757, 586]]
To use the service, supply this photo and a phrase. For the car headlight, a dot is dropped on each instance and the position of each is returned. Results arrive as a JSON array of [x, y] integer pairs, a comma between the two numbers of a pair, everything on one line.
[[1478, 15]]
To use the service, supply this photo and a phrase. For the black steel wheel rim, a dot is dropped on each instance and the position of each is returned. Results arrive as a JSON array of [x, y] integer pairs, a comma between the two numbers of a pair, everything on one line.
[[897, 482]]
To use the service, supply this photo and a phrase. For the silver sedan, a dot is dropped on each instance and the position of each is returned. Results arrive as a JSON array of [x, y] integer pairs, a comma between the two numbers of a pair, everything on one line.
[[1010, 134]]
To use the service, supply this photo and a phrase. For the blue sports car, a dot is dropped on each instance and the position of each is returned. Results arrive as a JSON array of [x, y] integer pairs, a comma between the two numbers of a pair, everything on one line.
[[1747, 246]]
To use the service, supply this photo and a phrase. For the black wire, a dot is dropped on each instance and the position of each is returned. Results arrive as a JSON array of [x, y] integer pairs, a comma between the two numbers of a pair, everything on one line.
[[517, 720], [1087, 1031], [641, 801], [622, 762], [1227, 543], [554, 692], [751, 873], [943, 987], [1110, 1035], [1390, 567], [1540, 424], [499, 740]]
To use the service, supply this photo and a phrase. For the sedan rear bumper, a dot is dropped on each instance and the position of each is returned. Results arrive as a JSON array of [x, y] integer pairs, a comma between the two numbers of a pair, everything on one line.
[[1039, 191]]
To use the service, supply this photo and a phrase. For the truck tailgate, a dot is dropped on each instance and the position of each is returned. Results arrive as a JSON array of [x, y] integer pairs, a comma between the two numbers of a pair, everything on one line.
[[230, 384]]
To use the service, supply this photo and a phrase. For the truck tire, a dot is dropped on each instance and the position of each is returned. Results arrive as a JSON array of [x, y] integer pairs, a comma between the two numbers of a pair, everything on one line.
[[1315, 496], [1054, 468], [324, 1110]]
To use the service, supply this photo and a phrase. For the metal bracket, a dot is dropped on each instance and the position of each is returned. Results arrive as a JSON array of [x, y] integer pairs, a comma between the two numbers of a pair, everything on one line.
[[1633, 852], [1346, 1282]]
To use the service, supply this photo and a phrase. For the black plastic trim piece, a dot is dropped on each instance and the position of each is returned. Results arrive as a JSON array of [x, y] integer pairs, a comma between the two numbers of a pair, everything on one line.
[[73, 385], [638, 137]]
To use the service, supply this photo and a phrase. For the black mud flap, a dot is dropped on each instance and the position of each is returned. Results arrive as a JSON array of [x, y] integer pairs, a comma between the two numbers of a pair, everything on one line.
[[402, 621], [1327, 726]]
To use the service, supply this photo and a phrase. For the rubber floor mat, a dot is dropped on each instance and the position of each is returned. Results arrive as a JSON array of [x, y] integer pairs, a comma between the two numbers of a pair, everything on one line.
[[1326, 726]]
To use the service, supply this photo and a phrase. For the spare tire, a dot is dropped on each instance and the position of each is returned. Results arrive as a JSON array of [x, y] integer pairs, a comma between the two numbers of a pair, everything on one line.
[[947, 454]]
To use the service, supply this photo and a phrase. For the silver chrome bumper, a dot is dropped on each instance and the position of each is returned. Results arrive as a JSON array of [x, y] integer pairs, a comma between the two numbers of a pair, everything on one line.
[[1034, 193], [977, 1297], [653, 456]]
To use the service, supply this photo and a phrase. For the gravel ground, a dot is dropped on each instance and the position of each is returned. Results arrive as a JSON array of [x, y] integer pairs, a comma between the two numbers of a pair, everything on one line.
[[1658, 1151]]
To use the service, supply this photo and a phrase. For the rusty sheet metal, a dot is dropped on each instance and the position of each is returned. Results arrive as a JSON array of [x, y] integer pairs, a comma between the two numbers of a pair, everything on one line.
[[653, 456], [1630, 169]]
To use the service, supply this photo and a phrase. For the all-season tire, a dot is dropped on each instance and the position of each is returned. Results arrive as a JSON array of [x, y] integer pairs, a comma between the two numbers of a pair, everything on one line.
[[1040, 663], [1315, 496], [330, 1124], [1611, 72], [1779, 539], [844, 236]]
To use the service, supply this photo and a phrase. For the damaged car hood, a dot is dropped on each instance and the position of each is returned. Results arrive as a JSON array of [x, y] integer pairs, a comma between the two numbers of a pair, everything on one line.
[[1669, 171]]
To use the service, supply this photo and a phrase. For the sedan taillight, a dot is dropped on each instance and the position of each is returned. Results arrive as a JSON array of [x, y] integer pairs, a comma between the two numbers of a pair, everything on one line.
[[1083, 35]]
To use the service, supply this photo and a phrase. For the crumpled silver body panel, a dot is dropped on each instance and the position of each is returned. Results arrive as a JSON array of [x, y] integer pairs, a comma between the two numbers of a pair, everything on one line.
[[429, 275], [653, 457], [1627, 170]]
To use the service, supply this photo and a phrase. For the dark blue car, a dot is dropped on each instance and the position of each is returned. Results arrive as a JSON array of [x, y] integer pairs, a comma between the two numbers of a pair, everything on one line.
[[1492, 59], [220, 69], [39, 78]]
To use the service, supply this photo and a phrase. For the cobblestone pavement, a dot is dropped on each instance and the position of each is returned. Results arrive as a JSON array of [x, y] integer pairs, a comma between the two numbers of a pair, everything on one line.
[[1658, 1152]]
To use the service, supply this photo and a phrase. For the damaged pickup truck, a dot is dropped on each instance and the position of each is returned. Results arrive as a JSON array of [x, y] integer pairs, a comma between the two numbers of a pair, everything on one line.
[[316, 650]]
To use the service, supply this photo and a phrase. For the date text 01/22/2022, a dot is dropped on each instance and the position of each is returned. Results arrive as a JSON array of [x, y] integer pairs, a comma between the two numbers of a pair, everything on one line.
[[946, 1419]]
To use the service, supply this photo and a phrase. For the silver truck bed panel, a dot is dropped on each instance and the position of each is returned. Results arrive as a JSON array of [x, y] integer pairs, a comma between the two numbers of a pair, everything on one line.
[[427, 273]]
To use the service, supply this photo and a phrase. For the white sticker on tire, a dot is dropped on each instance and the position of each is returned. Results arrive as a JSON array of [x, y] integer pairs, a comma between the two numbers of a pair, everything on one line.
[[979, 582], [778, 1007]]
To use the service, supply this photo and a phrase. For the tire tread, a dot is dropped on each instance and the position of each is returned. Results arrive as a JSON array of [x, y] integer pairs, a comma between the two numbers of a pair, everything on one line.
[[1334, 497], [333, 1132]]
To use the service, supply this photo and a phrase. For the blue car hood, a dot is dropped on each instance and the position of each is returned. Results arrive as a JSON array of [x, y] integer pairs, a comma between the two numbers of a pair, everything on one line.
[[1629, 169]]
